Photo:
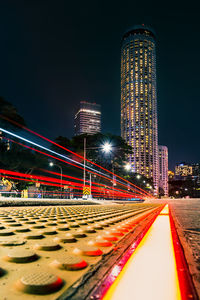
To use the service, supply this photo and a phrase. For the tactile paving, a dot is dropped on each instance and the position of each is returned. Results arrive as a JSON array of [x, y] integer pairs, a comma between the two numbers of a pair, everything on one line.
[[47, 246], [45, 250], [87, 250], [70, 263], [39, 283], [12, 242], [20, 256], [6, 232]]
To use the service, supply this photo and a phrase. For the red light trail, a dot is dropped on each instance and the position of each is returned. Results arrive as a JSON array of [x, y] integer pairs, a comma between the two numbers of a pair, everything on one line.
[[56, 182], [52, 142], [54, 157]]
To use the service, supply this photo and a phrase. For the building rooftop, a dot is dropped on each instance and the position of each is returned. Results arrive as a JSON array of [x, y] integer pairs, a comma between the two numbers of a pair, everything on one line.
[[140, 29]]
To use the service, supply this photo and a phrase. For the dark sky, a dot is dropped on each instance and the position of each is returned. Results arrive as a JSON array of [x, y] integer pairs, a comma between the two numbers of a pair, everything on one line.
[[55, 53]]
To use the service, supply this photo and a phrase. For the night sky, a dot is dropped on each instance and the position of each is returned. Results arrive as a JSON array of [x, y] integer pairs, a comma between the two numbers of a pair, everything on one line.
[[54, 54]]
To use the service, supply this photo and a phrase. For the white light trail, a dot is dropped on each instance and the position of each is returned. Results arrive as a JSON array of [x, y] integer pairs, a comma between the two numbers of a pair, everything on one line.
[[58, 154]]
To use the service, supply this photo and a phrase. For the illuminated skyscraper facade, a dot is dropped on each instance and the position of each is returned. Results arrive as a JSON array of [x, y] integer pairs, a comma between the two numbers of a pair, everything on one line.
[[88, 118], [139, 101], [163, 168]]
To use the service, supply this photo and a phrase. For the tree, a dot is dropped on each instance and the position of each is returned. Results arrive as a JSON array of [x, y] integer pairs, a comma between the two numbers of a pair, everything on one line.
[[15, 157], [8, 111], [12, 158], [62, 141], [115, 158]]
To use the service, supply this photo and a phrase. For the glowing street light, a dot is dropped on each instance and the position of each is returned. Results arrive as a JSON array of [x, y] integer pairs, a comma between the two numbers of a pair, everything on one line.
[[138, 176], [107, 147], [127, 167]]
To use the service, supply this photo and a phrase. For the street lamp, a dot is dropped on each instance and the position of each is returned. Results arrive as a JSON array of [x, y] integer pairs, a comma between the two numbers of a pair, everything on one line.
[[106, 147], [127, 167], [51, 164], [138, 176]]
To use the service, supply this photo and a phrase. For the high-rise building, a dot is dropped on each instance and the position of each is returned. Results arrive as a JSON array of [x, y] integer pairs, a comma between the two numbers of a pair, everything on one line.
[[139, 101], [163, 168], [88, 118]]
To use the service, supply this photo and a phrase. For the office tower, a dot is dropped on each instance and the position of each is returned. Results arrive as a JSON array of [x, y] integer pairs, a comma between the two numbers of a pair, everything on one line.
[[139, 101], [163, 168], [88, 118]]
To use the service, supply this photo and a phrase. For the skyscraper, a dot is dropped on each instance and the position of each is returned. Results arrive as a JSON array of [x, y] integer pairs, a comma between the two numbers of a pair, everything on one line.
[[88, 118], [163, 168], [139, 101]]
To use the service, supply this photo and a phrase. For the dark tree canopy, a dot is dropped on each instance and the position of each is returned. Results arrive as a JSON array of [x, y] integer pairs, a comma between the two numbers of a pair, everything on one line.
[[62, 141], [8, 111], [115, 158]]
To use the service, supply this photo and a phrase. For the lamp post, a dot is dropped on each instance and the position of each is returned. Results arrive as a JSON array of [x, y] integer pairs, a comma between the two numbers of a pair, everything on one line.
[[84, 155], [127, 167], [113, 179], [105, 147], [51, 164]]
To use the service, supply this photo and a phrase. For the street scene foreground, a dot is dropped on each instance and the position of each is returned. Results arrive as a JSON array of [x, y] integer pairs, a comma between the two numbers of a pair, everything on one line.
[[99, 249]]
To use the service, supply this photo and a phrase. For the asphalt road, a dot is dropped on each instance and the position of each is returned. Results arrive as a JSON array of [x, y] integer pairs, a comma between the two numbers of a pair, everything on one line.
[[186, 214]]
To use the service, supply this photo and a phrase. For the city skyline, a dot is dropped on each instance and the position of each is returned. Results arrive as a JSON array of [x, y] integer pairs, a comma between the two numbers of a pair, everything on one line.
[[43, 64]]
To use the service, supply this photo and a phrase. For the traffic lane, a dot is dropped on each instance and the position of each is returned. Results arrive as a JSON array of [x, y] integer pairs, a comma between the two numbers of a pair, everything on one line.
[[186, 215]]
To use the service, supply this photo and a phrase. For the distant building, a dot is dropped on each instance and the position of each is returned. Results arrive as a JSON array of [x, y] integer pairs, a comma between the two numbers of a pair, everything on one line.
[[183, 169], [196, 169], [186, 181], [171, 175], [163, 168], [139, 101], [88, 118], [187, 171]]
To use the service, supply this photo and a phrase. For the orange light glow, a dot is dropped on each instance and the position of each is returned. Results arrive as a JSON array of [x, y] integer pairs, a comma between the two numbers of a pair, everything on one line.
[[151, 272]]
